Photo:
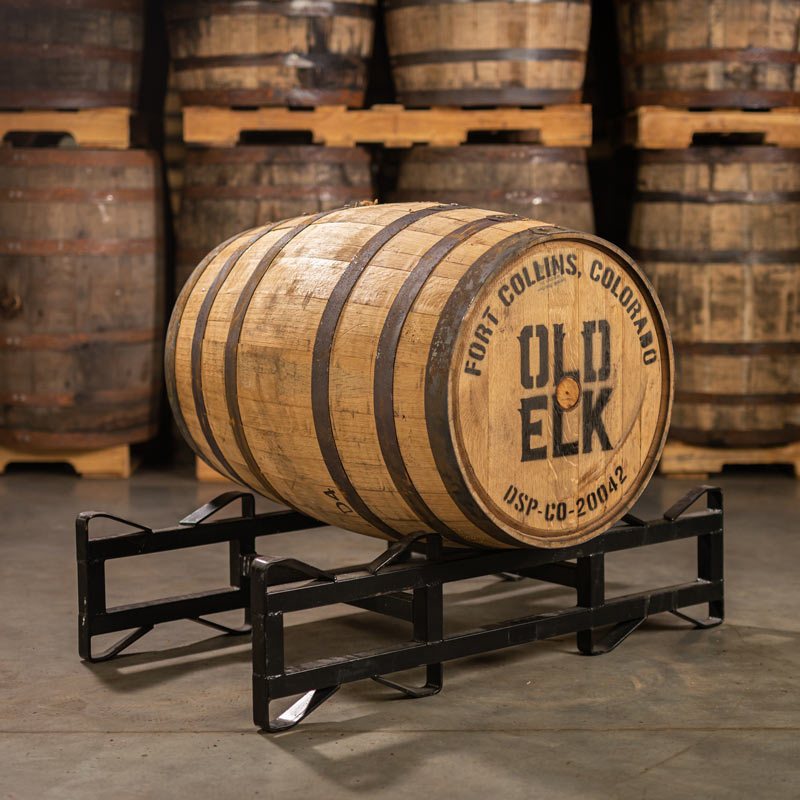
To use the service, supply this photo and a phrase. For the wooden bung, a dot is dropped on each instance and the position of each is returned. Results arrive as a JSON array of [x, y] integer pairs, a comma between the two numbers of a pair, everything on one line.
[[271, 52], [81, 297], [415, 366], [717, 229], [710, 53], [491, 52], [226, 190], [70, 53], [549, 182]]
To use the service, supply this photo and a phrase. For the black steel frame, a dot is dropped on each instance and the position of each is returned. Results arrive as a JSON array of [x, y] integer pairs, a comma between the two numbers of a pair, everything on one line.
[[405, 582]]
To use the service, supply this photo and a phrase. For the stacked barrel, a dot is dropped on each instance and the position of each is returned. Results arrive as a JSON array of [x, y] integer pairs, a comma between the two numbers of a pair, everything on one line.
[[241, 53], [81, 259], [717, 225], [496, 53]]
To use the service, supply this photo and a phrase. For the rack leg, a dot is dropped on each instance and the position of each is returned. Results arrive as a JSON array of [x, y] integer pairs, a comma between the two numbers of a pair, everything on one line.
[[428, 624], [591, 593]]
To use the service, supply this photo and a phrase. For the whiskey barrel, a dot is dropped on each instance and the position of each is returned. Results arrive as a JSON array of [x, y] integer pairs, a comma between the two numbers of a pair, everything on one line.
[[718, 232], [416, 366], [271, 52], [719, 53], [81, 297], [512, 52], [70, 53], [227, 190], [550, 183]]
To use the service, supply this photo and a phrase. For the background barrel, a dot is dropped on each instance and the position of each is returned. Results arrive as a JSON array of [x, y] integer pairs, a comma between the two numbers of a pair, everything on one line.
[[67, 54], [229, 190], [408, 367], [487, 53], [718, 232], [721, 53], [271, 53], [81, 297], [550, 183]]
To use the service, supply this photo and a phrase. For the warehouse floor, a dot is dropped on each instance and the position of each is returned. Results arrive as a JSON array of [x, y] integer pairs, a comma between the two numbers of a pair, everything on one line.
[[673, 711]]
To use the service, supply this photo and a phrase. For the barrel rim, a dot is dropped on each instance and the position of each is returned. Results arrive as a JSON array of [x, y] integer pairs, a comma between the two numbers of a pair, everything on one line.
[[440, 397]]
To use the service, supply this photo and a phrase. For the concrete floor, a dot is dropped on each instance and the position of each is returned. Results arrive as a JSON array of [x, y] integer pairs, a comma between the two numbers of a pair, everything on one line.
[[673, 712]]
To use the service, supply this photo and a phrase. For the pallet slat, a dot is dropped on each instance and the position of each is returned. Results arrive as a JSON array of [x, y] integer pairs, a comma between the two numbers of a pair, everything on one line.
[[96, 127], [108, 462], [658, 128], [391, 125], [680, 460]]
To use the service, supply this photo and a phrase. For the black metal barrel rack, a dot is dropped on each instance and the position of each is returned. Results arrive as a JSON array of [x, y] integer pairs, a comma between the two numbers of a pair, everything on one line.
[[404, 582]]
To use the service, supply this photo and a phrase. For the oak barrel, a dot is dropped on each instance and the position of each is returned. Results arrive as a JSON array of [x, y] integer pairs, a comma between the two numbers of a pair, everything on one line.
[[550, 183], [70, 53], [81, 297], [512, 52], [226, 190], [271, 52], [717, 229], [417, 366], [714, 53]]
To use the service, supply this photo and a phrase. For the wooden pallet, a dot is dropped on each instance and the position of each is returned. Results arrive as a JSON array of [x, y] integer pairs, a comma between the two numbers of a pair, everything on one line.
[[108, 462], [657, 127], [94, 127], [689, 461], [390, 125], [207, 474]]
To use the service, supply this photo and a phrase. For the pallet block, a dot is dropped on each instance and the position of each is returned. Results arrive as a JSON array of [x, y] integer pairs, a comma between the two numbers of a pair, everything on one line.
[[207, 474], [657, 127], [107, 462], [690, 461], [94, 127], [390, 125]]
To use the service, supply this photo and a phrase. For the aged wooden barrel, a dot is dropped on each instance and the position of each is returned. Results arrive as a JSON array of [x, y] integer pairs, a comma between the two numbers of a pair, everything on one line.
[[715, 53], [718, 232], [549, 183], [271, 52], [512, 52], [226, 190], [416, 366], [81, 297], [70, 53]]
